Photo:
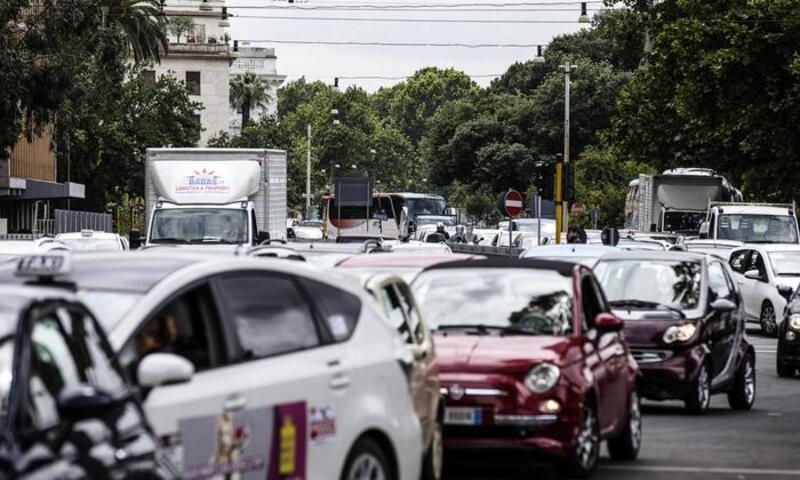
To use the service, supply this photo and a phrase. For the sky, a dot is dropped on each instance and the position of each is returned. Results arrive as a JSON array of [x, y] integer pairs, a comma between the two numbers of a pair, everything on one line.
[[324, 62]]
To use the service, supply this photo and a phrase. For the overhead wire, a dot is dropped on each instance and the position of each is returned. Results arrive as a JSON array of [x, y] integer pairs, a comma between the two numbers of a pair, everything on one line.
[[392, 44]]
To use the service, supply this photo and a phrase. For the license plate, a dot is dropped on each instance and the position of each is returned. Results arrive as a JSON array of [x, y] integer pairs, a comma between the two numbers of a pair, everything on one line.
[[462, 416]]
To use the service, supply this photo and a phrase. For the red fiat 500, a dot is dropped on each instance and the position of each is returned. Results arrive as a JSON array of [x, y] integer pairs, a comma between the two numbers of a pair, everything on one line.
[[531, 357]]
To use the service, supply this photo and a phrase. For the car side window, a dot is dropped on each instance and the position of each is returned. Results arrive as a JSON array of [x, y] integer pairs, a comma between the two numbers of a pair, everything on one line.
[[340, 310], [591, 304], [187, 326], [393, 308], [269, 313], [718, 282], [739, 261], [54, 366], [757, 263], [412, 314], [100, 369]]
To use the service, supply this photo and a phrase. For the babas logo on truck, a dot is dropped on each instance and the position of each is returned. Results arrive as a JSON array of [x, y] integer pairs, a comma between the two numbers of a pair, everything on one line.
[[203, 181]]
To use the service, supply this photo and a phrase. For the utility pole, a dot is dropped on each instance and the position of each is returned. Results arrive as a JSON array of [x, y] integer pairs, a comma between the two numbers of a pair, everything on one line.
[[563, 211], [308, 172]]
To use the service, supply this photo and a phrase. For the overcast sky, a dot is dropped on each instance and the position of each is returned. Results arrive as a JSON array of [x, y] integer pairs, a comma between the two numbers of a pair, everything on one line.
[[324, 62]]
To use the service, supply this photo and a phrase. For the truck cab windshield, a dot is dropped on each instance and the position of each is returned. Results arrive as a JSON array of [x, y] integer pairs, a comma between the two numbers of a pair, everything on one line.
[[199, 226], [752, 228]]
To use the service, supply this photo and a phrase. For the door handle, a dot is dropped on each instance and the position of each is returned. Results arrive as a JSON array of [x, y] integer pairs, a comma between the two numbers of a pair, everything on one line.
[[339, 382], [235, 402]]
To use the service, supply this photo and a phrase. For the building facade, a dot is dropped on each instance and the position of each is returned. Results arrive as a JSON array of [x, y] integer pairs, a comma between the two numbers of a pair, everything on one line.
[[200, 55], [263, 62], [29, 190]]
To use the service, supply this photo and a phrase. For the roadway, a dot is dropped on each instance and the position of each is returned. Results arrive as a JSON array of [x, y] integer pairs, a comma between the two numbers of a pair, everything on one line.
[[723, 444]]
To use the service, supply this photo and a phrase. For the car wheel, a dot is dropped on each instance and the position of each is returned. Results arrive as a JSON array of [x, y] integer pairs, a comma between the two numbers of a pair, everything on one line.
[[626, 446], [583, 461], [769, 327], [700, 396], [743, 393], [366, 461], [433, 463], [784, 370]]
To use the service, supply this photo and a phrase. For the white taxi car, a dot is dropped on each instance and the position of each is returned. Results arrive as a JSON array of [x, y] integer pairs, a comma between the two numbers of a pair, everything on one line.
[[93, 241], [257, 367], [767, 275]]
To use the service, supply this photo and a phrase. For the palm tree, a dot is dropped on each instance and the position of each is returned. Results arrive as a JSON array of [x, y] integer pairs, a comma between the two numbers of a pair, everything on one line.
[[248, 91], [143, 24]]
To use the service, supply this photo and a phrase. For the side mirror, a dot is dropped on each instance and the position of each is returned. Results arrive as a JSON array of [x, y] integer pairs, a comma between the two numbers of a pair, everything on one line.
[[608, 322], [705, 227], [159, 369], [752, 275], [262, 237], [83, 401], [785, 291], [723, 305], [134, 239]]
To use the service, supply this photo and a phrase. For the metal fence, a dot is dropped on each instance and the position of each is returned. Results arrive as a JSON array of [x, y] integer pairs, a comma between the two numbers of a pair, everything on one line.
[[75, 221]]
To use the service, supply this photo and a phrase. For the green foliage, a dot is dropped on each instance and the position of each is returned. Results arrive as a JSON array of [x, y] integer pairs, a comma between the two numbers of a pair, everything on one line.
[[719, 90], [248, 91], [180, 26]]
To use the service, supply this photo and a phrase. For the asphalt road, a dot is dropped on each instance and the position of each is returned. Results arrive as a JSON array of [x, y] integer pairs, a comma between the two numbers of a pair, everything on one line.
[[763, 443]]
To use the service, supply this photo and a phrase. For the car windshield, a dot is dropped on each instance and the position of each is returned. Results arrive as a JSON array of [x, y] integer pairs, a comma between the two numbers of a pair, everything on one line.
[[785, 262], [751, 228], [447, 221], [199, 225], [505, 300], [425, 206], [91, 244], [107, 306], [651, 284]]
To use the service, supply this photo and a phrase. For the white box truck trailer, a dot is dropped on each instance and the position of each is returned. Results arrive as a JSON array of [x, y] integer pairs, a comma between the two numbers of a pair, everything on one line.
[[210, 196]]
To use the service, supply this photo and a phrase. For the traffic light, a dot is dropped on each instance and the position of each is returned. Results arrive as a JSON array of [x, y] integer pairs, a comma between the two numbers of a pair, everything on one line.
[[569, 183], [544, 179]]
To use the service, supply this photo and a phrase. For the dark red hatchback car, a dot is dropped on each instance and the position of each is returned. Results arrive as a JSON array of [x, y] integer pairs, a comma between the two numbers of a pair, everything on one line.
[[531, 358]]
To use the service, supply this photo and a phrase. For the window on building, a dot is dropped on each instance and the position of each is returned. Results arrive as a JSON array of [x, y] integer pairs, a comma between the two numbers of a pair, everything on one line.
[[199, 120], [149, 76], [193, 83]]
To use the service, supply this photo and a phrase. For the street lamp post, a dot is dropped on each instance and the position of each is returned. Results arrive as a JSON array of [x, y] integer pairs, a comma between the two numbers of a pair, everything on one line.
[[308, 172], [562, 215]]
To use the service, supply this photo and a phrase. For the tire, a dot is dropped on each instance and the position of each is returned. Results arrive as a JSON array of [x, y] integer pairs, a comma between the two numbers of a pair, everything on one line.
[[700, 397], [626, 446], [767, 320], [583, 461], [433, 461], [743, 393], [367, 461], [784, 371]]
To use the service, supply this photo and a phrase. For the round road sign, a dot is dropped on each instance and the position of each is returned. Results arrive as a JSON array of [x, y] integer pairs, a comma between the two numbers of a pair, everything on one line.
[[513, 203]]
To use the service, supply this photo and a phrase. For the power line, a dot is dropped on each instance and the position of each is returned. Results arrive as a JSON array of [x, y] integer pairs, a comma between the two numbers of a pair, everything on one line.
[[423, 6], [405, 20], [394, 44]]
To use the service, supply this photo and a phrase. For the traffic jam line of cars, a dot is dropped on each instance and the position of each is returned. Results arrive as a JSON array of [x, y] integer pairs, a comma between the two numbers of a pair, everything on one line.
[[177, 363]]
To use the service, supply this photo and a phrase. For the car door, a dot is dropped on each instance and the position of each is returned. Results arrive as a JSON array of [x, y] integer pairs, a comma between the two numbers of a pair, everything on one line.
[[610, 367], [748, 286], [187, 324], [762, 289], [296, 376], [722, 325]]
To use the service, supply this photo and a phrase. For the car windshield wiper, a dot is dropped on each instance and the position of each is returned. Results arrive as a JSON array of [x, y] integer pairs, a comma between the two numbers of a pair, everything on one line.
[[645, 304], [170, 240], [484, 329]]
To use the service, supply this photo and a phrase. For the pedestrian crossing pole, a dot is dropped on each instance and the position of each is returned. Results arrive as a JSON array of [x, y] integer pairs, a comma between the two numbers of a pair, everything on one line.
[[567, 68], [558, 193]]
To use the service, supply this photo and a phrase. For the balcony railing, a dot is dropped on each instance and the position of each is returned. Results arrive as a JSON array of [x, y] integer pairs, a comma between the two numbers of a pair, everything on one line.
[[199, 48]]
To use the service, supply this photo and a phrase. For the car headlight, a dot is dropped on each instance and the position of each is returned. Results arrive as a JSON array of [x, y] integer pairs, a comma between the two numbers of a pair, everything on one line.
[[542, 378], [794, 322], [680, 333]]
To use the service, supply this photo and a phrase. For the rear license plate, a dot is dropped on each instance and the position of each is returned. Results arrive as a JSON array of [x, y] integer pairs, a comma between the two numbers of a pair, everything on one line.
[[462, 416]]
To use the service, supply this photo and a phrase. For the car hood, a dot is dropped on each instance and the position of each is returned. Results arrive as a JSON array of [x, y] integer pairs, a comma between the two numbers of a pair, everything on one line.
[[489, 353], [307, 233], [788, 281]]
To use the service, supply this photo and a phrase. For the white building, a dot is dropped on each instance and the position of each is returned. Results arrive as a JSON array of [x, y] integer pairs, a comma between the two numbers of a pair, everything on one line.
[[263, 62], [202, 58]]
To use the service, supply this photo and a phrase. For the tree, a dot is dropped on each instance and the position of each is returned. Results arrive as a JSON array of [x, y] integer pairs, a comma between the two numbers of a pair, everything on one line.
[[180, 26], [248, 91], [143, 26]]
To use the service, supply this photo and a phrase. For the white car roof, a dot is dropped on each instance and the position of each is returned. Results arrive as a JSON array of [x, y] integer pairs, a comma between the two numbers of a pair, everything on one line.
[[87, 234], [755, 210], [772, 247]]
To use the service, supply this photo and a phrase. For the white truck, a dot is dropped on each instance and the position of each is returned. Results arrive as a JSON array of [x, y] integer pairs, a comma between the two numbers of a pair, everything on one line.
[[751, 222], [675, 201], [208, 196]]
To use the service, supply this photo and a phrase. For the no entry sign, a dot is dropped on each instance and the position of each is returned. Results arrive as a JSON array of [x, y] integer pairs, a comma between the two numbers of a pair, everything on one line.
[[513, 203]]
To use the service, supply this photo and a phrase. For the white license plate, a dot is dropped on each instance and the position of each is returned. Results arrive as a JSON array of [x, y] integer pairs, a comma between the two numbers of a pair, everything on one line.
[[462, 416]]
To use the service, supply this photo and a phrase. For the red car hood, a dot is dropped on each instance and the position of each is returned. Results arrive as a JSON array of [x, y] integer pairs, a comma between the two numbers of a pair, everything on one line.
[[487, 353]]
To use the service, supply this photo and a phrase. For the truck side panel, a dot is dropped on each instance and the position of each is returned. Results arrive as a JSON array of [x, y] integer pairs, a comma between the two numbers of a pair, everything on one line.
[[272, 199]]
